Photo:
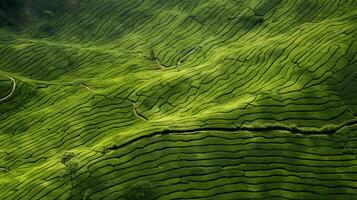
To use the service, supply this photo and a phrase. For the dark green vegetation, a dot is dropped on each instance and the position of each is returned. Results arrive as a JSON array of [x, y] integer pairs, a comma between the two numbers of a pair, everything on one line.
[[140, 191], [179, 99], [13, 12]]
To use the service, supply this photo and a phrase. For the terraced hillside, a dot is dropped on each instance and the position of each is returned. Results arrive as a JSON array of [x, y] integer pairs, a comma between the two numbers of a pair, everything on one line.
[[217, 99]]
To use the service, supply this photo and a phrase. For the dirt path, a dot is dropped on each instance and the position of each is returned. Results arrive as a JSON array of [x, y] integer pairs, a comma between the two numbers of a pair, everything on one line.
[[12, 90]]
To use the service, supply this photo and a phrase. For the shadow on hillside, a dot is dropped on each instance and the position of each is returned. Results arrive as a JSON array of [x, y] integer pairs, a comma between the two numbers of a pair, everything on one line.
[[254, 164], [18, 15]]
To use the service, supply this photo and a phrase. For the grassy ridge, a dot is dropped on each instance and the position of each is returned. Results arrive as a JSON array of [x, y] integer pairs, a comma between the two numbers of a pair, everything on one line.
[[98, 75]]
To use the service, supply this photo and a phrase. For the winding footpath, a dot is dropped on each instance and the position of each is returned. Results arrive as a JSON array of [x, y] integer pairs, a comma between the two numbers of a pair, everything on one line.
[[12, 90]]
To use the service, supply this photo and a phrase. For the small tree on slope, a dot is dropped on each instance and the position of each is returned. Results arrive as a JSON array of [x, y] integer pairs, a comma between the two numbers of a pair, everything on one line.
[[140, 191], [69, 160]]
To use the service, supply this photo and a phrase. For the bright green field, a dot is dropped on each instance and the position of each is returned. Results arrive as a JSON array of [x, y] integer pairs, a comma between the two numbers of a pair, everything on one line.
[[204, 99]]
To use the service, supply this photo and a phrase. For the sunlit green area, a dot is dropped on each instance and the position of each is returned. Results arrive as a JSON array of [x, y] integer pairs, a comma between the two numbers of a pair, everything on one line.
[[178, 99]]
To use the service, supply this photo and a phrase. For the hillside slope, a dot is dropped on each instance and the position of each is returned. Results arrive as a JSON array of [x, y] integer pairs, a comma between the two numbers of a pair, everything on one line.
[[218, 99]]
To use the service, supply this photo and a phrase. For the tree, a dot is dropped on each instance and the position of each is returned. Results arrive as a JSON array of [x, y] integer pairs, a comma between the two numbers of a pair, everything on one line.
[[140, 191], [71, 164]]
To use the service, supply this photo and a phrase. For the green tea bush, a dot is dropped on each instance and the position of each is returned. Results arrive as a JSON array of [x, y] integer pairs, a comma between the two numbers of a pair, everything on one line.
[[140, 191]]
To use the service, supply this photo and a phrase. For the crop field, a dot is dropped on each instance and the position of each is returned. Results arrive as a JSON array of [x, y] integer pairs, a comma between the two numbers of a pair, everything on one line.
[[178, 99]]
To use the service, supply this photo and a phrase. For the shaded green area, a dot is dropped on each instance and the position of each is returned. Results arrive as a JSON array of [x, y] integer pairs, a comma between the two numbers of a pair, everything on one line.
[[5, 86], [12, 12]]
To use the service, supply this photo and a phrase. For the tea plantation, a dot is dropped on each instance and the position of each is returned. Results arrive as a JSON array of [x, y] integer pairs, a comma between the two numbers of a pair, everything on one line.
[[178, 99]]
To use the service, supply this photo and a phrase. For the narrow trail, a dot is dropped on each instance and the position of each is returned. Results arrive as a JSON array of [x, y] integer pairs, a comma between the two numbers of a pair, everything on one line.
[[12, 90], [88, 88], [138, 114], [162, 67], [180, 60]]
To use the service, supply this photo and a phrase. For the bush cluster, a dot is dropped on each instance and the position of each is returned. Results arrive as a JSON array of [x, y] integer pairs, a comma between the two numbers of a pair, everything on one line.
[[140, 191]]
